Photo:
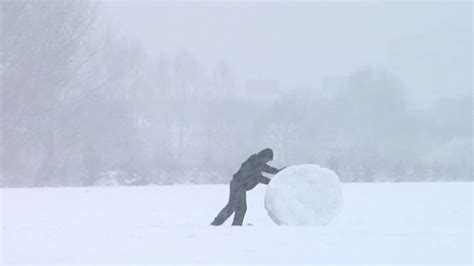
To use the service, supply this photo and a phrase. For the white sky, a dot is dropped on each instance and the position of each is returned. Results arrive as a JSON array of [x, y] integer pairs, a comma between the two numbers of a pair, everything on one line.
[[427, 45]]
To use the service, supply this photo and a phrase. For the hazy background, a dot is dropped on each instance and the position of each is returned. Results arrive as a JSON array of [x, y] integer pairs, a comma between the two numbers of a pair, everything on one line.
[[103, 93], [427, 45]]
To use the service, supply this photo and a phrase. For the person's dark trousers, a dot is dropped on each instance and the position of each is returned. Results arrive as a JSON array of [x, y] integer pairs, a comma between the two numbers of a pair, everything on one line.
[[237, 203]]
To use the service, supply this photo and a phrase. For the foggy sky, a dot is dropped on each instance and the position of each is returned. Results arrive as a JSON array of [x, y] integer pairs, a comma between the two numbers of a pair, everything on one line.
[[427, 45]]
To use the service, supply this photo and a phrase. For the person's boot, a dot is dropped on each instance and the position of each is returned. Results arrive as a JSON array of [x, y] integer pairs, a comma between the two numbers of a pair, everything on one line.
[[216, 222]]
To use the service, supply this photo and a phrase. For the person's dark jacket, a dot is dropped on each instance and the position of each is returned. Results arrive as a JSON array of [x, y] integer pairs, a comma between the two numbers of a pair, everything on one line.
[[250, 173]]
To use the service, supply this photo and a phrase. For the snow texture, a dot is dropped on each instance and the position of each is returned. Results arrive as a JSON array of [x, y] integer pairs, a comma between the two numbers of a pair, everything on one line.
[[380, 224], [304, 195]]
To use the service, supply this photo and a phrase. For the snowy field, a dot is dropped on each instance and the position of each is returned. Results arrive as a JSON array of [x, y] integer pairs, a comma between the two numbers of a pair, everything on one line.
[[419, 223]]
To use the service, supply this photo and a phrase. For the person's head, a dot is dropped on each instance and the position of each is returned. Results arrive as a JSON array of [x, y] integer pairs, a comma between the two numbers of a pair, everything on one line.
[[265, 155]]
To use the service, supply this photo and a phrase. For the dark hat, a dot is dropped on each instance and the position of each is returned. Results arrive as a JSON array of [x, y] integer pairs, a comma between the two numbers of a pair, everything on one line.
[[266, 153]]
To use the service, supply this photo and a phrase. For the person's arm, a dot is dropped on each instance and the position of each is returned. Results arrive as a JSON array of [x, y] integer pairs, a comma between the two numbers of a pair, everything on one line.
[[264, 180], [270, 170]]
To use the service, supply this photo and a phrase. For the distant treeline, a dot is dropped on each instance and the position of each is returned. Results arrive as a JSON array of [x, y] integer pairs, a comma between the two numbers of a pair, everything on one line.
[[81, 107]]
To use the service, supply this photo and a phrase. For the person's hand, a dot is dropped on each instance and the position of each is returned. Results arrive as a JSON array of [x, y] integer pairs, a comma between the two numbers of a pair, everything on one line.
[[282, 169]]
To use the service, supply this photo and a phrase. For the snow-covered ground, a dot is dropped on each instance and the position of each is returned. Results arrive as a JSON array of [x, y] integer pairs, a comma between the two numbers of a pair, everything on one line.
[[418, 223]]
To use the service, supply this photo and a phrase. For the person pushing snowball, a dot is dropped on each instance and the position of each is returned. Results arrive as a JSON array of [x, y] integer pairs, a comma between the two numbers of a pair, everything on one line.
[[247, 177]]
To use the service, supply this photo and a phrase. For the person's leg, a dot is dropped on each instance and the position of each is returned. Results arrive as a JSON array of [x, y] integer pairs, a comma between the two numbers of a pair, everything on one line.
[[240, 209], [227, 211], [224, 214]]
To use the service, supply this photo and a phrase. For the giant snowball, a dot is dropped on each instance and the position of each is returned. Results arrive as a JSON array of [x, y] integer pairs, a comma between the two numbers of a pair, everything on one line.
[[304, 194]]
